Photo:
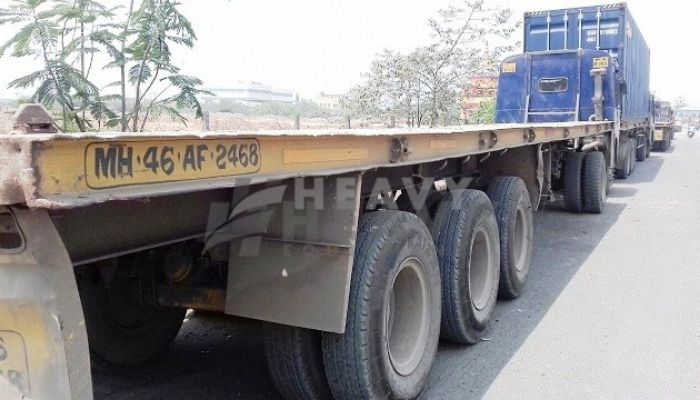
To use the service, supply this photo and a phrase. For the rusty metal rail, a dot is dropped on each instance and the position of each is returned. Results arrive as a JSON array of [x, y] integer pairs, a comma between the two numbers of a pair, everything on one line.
[[65, 171]]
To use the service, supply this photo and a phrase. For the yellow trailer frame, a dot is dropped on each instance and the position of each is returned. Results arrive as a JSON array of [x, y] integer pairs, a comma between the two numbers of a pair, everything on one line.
[[49, 180], [65, 171]]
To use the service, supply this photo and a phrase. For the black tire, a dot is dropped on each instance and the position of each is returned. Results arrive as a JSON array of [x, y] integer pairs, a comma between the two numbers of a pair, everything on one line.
[[511, 203], [664, 145], [595, 182], [466, 236], [642, 150], [633, 154], [295, 362], [661, 146], [649, 145], [393, 323], [121, 332], [573, 173], [424, 211], [624, 169]]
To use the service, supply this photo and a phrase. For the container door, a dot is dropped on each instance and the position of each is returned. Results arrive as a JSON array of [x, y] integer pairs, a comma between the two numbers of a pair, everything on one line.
[[592, 28], [554, 88]]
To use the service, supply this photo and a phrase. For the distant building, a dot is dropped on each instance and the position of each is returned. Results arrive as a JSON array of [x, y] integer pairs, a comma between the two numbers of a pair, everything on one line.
[[328, 101], [688, 115], [479, 89], [252, 93]]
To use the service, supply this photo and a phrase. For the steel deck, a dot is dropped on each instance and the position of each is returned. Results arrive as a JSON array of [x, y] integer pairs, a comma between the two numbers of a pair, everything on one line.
[[66, 171]]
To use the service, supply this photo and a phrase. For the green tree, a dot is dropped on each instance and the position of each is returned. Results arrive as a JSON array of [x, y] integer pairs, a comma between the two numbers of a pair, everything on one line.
[[486, 114], [156, 26], [40, 35], [469, 39], [88, 29], [67, 34]]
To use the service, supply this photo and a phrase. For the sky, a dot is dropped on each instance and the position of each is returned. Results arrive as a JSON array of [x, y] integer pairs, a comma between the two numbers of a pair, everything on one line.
[[325, 45]]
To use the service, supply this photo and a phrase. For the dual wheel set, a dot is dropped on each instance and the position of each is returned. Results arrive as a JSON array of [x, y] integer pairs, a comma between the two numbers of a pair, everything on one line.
[[586, 182], [411, 285], [635, 149]]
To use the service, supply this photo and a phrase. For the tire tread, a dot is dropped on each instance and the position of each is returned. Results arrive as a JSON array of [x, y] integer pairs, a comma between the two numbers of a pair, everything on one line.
[[573, 187]]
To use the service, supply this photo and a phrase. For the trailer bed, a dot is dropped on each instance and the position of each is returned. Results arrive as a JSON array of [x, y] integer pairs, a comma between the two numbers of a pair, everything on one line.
[[57, 171]]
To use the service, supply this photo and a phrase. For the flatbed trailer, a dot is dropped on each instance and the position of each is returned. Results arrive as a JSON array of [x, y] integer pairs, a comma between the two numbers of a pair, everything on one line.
[[359, 248], [664, 125]]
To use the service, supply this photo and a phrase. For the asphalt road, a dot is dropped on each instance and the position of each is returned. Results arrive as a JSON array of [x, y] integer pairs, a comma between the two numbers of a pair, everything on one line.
[[610, 312]]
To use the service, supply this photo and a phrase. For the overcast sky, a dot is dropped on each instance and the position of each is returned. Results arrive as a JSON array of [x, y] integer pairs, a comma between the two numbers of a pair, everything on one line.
[[325, 45]]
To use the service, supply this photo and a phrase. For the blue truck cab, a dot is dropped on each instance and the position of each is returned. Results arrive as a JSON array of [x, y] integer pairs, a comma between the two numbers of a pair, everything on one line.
[[552, 81]]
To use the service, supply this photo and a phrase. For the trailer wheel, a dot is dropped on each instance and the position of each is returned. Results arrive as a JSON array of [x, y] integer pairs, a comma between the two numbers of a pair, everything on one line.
[[393, 320], [624, 160], [633, 154], [424, 211], [295, 362], [511, 203], [573, 173], [663, 145], [466, 235], [595, 182], [123, 330], [642, 150], [647, 149]]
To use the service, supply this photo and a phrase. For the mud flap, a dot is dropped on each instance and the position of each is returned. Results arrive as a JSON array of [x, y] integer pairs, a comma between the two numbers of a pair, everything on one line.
[[43, 343], [303, 261]]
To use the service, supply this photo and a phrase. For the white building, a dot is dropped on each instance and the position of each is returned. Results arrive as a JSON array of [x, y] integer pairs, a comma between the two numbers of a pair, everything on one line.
[[328, 101], [688, 114], [252, 93]]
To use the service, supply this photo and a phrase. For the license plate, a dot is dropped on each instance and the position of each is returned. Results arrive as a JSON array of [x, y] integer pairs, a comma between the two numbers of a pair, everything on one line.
[[659, 135], [13, 361], [116, 164]]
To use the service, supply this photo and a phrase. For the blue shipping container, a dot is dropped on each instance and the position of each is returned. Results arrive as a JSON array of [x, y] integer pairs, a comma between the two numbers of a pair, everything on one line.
[[607, 27], [554, 86]]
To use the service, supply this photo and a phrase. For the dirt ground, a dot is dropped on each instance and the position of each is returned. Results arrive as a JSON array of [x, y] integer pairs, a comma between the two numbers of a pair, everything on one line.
[[227, 122]]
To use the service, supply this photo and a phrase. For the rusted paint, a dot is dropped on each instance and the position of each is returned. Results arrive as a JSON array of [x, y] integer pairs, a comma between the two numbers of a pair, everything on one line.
[[34, 118], [205, 299]]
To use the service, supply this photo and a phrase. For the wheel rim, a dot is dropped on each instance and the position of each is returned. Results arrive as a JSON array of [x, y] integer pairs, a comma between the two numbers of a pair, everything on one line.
[[408, 318], [520, 240], [480, 271]]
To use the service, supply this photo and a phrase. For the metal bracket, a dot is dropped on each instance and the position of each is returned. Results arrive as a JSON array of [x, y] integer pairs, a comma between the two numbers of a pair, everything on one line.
[[34, 118], [529, 135], [487, 140], [399, 150]]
